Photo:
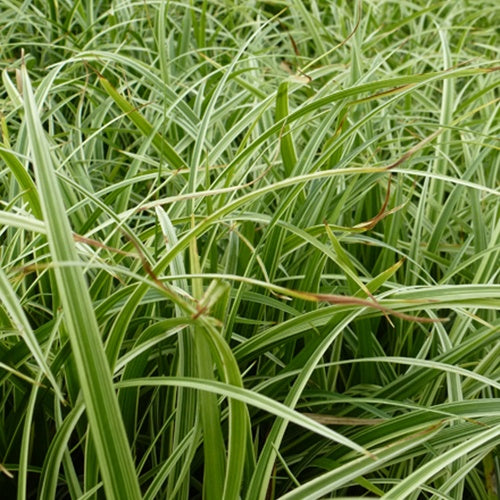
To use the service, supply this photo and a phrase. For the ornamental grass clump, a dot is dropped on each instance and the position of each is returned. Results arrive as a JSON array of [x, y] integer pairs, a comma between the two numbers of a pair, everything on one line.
[[249, 250]]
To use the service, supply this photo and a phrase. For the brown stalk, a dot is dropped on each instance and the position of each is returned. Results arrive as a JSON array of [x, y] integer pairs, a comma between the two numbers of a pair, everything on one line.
[[355, 301], [332, 420]]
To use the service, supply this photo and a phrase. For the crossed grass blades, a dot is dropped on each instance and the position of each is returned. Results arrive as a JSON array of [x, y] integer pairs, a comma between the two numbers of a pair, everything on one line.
[[249, 250]]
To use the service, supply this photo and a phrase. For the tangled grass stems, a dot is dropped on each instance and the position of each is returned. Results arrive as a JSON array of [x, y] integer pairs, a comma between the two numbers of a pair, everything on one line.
[[229, 226]]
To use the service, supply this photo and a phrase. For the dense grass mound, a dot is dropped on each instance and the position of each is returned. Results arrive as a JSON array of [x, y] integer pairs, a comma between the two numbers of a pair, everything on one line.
[[249, 249]]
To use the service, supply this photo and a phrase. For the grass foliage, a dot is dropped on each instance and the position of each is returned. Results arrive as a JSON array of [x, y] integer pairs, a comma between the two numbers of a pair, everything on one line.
[[249, 249]]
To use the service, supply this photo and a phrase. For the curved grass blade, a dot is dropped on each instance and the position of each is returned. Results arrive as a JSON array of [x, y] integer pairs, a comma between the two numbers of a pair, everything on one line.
[[250, 398], [12, 305]]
